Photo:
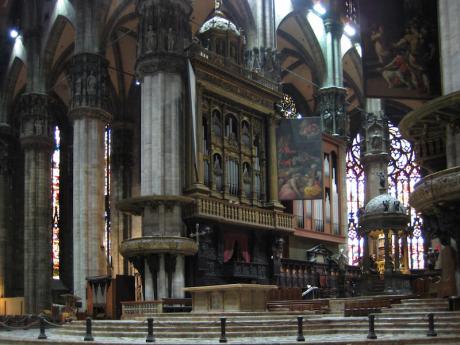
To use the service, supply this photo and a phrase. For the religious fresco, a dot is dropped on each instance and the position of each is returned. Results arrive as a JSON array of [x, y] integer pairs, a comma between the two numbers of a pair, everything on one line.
[[400, 48], [299, 159]]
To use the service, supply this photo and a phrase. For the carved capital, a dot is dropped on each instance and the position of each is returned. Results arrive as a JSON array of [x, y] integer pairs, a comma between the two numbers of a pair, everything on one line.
[[89, 81], [164, 31], [331, 107], [36, 122]]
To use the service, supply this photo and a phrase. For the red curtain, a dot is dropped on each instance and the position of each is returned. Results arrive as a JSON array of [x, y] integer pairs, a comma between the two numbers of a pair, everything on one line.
[[230, 239]]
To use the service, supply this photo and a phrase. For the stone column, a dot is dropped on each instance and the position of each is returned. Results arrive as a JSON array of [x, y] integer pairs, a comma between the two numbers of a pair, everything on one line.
[[396, 236], [37, 143], [365, 256], [405, 251], [89, 110], [374, 149], [164, 32], [5, 204], [272, 165], [387, 244]]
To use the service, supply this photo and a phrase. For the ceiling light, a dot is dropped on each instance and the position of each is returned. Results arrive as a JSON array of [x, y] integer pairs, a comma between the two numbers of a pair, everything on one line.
[[14, 33], [350, 31], [319, 9]]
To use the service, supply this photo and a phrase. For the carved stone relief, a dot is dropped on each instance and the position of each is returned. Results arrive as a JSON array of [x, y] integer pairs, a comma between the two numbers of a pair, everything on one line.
[[88, 77]]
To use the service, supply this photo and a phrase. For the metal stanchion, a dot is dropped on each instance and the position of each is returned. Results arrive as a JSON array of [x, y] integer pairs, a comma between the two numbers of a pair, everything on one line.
[[431, 331], [42, 334], [223, 338], [371, 334], [300, 336], [150, 338], [88, 335]]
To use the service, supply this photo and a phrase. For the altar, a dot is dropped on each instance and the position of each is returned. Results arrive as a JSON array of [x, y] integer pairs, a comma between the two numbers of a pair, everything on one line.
[[229, 298]]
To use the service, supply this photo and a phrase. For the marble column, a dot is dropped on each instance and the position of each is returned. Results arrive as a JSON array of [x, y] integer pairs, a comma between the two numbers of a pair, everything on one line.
[[374, 148], [387, 249], [396, 245], [272, 165], [164, 32], [37, 143], [89, 112], [331, 96], [5, 206], [365, 256]]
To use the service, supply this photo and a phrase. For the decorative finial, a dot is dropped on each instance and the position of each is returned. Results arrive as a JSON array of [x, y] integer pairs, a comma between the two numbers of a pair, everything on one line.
[[217, 5]]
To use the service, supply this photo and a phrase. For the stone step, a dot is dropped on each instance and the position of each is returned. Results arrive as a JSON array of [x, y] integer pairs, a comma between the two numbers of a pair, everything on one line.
[[423, 300], [267, 333]]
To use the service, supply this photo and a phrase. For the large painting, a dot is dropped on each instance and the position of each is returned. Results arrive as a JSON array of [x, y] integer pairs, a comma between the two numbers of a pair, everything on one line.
[[400, 48], [299, 145]]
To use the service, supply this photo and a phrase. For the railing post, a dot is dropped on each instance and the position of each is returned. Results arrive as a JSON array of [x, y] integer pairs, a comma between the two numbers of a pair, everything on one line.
[[42, 334], [431, 331], [300, 336], [88, 335], [371, 334], [223, 338], [150, 338]]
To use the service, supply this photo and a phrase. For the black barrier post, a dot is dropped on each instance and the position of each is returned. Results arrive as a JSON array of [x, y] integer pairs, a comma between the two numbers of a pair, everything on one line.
[[42, 334], [454, 303], [223, 338], [300, 336], [431, 332], [371, 334], [88, 335], [150, 338]]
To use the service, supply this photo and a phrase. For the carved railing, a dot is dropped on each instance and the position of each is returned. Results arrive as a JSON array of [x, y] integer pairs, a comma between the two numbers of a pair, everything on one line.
[[245, 270], [223, 211], [299, 274], [135, 308], [210, 57]]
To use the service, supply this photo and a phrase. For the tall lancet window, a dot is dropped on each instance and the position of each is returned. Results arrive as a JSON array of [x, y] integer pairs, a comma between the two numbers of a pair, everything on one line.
[[107, 178], [355, 199], [403, 174], [55, 182]]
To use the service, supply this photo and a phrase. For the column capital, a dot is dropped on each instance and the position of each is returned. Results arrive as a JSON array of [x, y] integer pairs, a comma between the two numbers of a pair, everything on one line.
[[164, 34], [89, 86], [331, 107], [36, 120], [334, 26]]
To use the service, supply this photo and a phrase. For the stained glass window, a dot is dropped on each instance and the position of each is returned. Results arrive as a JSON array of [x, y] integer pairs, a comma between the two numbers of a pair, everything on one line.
[[288, 108], [107, 232], [55, 180], [403, 174], [355, 199]]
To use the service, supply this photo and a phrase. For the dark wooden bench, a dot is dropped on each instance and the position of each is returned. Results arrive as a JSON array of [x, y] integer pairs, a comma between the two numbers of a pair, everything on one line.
[[316, 306], [176, 305]]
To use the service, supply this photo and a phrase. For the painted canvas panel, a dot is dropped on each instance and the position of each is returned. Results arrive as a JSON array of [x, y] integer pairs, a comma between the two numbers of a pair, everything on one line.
[[400, 48], [299, 145]]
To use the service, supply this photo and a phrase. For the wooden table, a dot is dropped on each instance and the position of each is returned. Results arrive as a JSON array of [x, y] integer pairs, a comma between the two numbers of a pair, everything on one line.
[[229, 298]]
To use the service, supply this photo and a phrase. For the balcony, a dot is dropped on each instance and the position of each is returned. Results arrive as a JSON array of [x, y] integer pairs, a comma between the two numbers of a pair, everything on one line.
[[440, 187], [209, 57], [224, 212]]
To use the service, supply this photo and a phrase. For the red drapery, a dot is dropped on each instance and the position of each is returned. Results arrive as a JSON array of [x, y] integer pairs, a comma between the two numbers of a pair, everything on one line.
[[230, 241]]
